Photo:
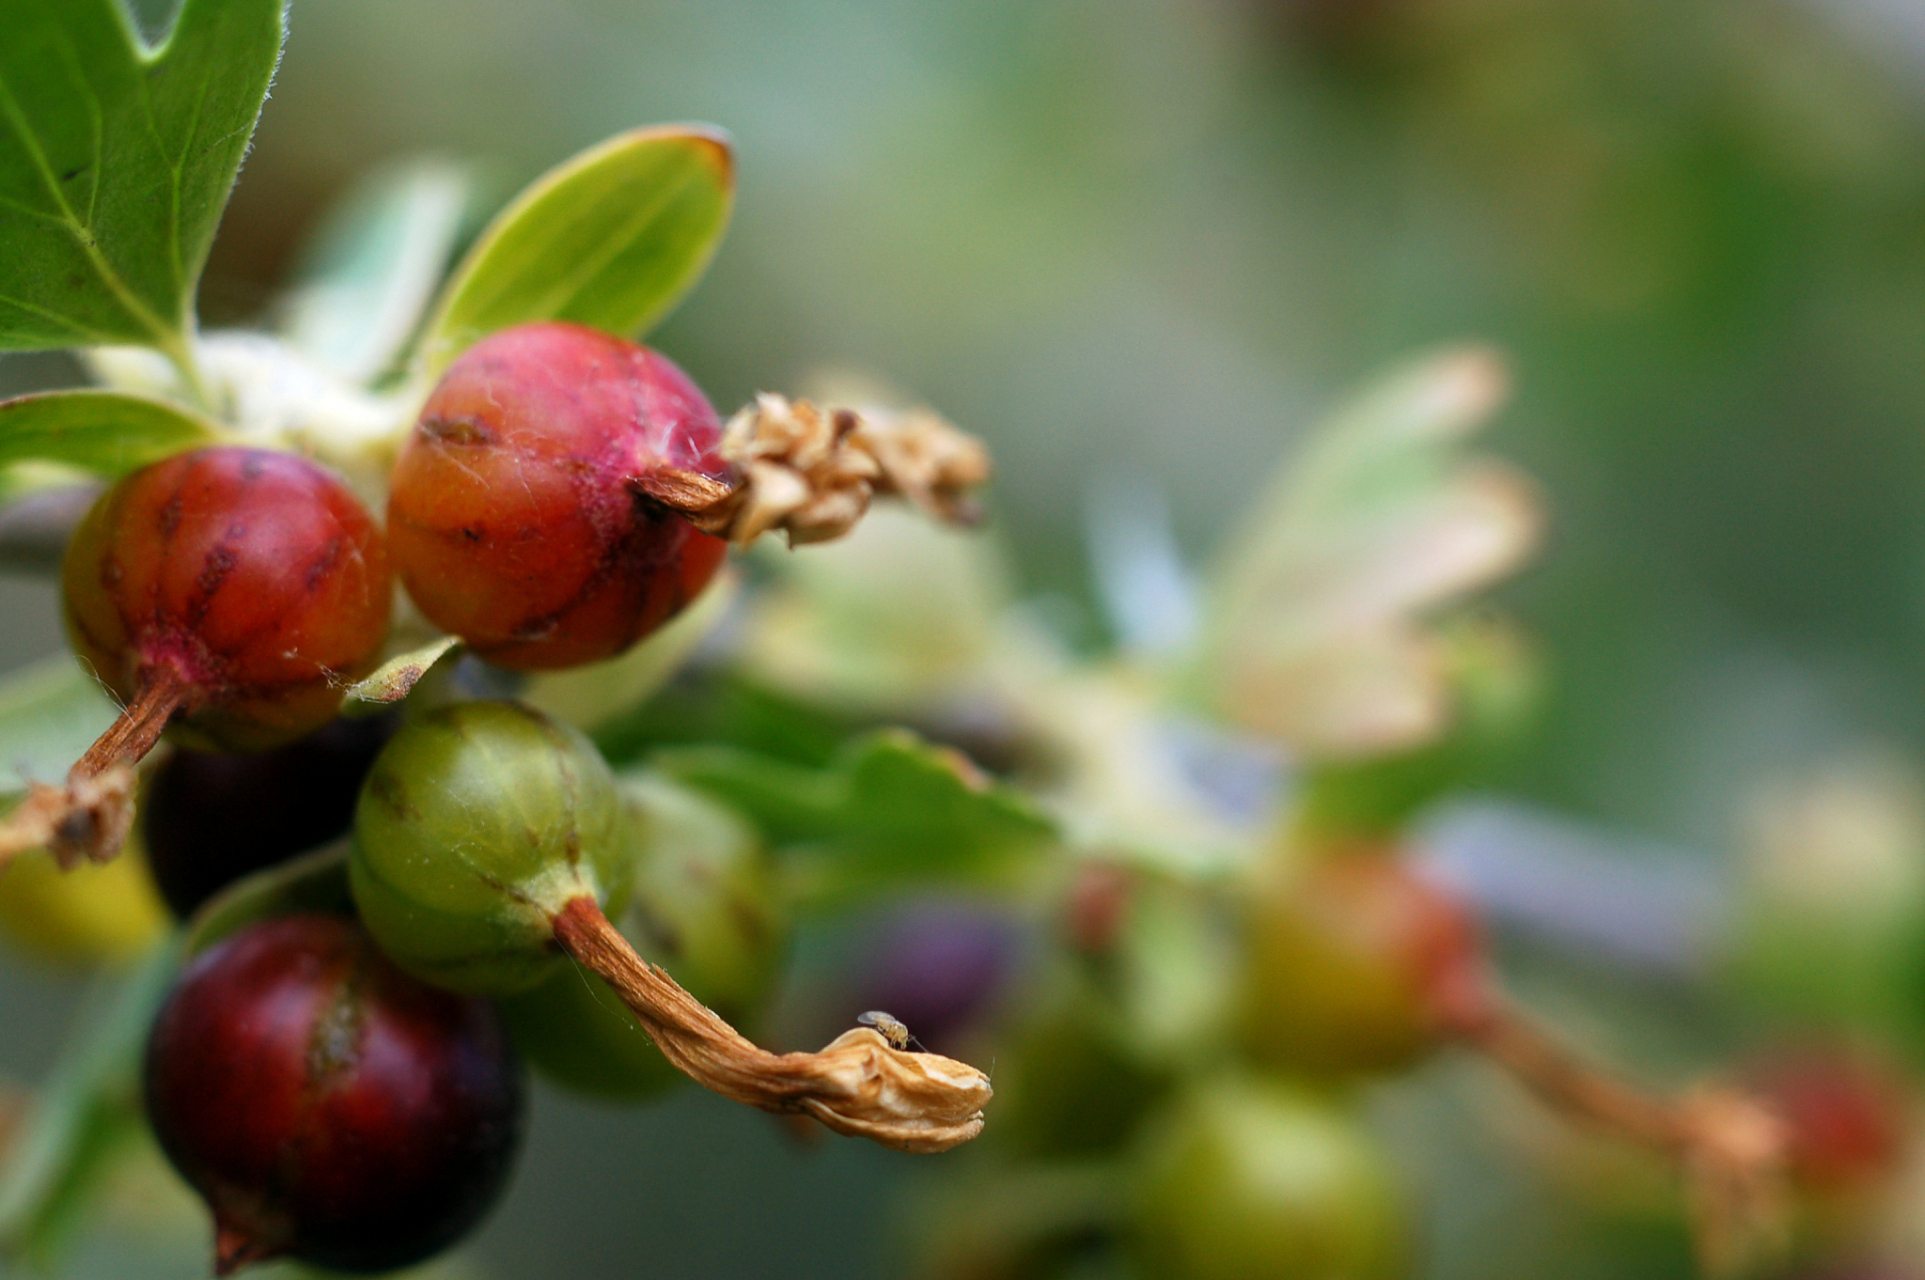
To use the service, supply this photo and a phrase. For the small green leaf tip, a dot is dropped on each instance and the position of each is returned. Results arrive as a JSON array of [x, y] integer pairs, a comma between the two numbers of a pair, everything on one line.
[[610, 239], [108, 433]]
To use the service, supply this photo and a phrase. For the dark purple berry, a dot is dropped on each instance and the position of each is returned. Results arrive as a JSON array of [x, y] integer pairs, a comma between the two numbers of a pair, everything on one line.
[[208, 820], [327, 1106]]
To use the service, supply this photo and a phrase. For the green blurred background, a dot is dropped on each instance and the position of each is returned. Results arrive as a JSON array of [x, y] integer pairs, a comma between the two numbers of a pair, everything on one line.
[[1152, 239]]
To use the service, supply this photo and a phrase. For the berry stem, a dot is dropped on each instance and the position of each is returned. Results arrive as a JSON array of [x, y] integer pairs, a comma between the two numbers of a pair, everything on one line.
[[234, 1248], [1730, 1148], [858, 1085], [90, 815]]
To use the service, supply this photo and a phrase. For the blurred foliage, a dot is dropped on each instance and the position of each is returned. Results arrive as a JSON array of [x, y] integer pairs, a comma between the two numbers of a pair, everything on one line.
[[1144, 243]]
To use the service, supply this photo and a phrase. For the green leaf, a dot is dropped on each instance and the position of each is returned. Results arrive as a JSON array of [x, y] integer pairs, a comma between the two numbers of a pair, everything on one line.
[[89, 1114], [50, 713], [106, 432], [373, 266], [891, 809], [116, 160], [316, 881], [396, 678], [610, 239], [726, 707]]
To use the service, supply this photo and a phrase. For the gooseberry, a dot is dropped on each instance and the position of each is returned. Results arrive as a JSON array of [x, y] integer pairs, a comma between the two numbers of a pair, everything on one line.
[[328, 1107], [208, 819], [1249, 1178], [478, 823], [519, 513], [224, 595], [231, 589], [1844, 1113], [1356, 965], [488, 841], [938, 965], [703, 907], [575, 1031]]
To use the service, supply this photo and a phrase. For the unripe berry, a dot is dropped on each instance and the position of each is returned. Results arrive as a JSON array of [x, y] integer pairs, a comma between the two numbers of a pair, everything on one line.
[[575, 1031], [1356, 965], [487, 843], [477, 825], [517, 515], [328, 1107], [1250, 1179], [704, 908]]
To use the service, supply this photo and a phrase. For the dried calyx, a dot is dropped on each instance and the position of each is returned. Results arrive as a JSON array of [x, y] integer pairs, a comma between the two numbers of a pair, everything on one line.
[[859, 1084], [811, 472]]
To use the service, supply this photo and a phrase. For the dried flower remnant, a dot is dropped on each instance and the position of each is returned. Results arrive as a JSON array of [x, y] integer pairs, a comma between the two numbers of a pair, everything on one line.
[[812, 471], [859, 1084], [1731, 1149]]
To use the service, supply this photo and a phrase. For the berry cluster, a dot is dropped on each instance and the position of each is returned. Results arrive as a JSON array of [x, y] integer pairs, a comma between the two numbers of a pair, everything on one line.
[[340, 1087]]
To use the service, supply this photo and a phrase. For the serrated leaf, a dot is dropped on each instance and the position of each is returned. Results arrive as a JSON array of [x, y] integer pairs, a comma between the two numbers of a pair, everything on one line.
[[50, 713], [891, 809], [116, 160], [610, 239], [371, 269], [89, 1113], [394, 679], [108, 433], [316, 881]]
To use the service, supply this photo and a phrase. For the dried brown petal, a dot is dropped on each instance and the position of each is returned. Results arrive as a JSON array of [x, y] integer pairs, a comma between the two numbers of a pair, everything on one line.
[[811, 472], [858, 1085], [89, 818]]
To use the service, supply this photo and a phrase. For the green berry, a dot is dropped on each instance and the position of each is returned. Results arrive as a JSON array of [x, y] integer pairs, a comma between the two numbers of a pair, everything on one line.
[[478, 823], [703, 908], [1252, 1178], [1355, 965], [575, 1031]]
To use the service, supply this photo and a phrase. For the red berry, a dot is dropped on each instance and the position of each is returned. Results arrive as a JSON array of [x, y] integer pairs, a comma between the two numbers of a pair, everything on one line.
[[252, 579], [1845, 1115], [327, 1106], [517, 516], [1356, 965]]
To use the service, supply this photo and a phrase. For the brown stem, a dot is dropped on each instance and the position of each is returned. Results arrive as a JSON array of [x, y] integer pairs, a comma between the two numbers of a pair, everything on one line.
[[90, 815], [235, 1248], [1730, 1149], [811, 471], [858, 1085], [1573, 1088]]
